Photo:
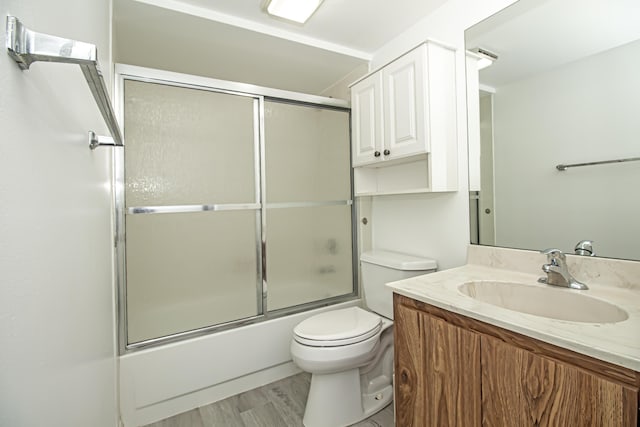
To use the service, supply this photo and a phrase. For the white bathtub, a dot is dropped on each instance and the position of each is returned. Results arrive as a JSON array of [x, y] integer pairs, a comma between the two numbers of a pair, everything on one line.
[[165, 381]]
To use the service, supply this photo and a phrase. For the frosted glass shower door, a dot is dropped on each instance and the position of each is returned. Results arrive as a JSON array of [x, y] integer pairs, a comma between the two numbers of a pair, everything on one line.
[[192, 209], [308, 204]]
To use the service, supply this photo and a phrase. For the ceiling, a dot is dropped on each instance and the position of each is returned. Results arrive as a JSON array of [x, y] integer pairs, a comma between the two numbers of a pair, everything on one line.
[[533, 36], [235, 40]]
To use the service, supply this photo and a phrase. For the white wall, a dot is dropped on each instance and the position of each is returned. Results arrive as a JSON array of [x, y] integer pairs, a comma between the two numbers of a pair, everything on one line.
[[57, 358], [434, 225], [184, 40], [340, 89], [584, 111]]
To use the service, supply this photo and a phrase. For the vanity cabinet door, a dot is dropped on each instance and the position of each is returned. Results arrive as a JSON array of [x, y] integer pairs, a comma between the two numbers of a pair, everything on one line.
[[520, 388], [437, 371]]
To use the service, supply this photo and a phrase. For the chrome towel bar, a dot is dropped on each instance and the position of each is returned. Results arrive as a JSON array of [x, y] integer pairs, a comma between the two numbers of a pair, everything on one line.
[[26, 47], [575, 165]]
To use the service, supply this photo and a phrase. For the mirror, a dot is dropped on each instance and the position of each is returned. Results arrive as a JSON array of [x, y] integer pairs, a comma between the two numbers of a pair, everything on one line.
[[564, 90]]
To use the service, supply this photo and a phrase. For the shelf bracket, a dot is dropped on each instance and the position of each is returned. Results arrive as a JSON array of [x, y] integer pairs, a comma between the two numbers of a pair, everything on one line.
[[26, 47]]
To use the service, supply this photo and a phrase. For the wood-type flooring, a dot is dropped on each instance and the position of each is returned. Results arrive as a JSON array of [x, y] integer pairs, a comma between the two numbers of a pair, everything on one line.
[[279, 404]]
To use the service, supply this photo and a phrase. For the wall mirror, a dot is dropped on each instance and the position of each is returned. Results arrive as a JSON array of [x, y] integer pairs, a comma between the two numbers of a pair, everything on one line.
[[563, 90]]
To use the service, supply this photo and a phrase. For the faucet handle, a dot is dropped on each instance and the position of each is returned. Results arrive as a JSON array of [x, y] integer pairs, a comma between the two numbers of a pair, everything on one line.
[[553, 255], [585, 247]]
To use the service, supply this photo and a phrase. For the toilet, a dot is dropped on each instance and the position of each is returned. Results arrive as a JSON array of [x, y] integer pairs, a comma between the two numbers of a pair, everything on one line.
[[349, 352]]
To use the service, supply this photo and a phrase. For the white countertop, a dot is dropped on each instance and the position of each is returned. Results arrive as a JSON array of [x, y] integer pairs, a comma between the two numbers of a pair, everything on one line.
[[617, 343]]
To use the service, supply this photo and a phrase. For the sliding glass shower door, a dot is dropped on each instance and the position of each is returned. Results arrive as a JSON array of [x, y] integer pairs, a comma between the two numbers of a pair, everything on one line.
[[192, 208], [308, 204], [236, 209]]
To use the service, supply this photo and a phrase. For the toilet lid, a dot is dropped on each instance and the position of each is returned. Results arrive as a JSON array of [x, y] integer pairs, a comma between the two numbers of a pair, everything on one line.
[[338, 327]]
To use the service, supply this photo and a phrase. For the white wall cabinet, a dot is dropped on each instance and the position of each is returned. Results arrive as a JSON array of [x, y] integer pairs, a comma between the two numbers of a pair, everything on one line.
[[404, 96], [404, 124], [366, 113]]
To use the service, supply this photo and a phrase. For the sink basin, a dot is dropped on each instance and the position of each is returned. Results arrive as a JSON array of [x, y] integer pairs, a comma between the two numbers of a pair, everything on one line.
[[544, 301]]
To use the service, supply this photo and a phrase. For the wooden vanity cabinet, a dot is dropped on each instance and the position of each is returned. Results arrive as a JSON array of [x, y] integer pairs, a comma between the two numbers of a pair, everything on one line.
[[520, 388], [437, 370], [451, 370]]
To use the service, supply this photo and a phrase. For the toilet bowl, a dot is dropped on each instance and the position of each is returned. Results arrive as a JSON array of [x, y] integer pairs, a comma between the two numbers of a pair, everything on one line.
[[349, 352], [340, 394]]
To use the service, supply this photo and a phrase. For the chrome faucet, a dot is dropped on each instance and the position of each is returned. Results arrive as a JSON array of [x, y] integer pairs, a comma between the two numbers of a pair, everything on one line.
[[557, 271]]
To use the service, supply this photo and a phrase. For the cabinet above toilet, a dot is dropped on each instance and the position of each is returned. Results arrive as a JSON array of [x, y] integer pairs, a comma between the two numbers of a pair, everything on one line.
[[404, 127]]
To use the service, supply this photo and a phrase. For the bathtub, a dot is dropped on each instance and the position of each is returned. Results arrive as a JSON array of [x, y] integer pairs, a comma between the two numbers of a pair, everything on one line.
[[160, 382]]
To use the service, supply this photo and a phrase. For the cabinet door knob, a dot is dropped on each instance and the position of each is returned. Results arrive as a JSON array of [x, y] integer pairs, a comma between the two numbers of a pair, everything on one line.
[[376, 154], [386, 152]]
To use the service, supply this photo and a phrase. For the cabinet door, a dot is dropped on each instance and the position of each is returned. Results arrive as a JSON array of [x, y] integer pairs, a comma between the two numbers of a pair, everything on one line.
[[520, 388], [437, 371], [366, 110], [404, 88]]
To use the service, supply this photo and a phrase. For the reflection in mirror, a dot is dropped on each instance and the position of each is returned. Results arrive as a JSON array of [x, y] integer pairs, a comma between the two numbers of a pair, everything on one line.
[[565, 89]]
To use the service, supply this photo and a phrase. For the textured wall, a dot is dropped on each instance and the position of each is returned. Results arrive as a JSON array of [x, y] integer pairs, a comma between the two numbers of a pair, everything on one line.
[[57, 364]]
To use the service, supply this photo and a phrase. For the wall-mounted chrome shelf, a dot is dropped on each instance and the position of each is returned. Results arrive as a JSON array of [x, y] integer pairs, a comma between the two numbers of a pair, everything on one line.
[[26, 47]]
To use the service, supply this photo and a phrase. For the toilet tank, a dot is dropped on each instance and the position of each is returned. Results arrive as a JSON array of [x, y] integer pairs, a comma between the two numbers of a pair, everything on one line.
[[380, 267]]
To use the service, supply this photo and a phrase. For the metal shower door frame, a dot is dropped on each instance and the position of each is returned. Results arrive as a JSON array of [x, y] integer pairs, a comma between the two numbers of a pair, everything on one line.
[[258, 93]]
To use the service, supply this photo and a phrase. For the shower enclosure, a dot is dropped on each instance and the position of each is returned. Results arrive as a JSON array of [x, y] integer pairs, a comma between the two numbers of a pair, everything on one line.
[[234, 205]]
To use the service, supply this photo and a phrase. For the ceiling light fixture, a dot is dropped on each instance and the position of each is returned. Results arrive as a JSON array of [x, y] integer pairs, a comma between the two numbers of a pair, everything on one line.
[[293, 10], [486, 57]]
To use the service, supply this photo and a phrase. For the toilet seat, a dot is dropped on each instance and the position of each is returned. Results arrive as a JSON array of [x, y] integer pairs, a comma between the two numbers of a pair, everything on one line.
[[338, 328]]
